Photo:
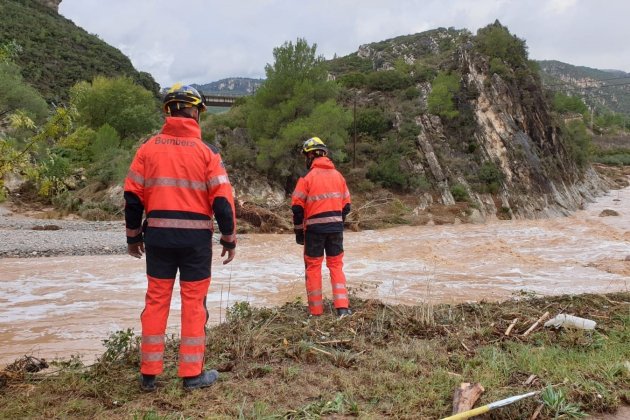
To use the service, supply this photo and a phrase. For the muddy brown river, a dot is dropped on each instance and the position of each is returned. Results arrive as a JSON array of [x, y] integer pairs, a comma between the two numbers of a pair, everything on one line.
[[60, 306]]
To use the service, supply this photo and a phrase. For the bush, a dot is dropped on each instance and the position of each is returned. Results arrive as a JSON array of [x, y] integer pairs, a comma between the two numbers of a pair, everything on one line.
[[489, 173], [459, 192], [441, 99], [130, 109], [564, 103], [496, 41], [411, 93], [372, 121], [578, 142], [353, 80], [387, 80]]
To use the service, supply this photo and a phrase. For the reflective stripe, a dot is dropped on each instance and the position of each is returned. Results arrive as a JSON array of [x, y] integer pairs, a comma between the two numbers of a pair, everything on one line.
[[341, 296], [299, 227], [153, 339], [324, 196], [152, 356], [299, 194], [134, 176], [218, 180], [315, 303], [179, 223], [318, 220], [315, 293], [338, 286], [193, 341], [175, 182], [346, 194], [132, 233], [190, 357]]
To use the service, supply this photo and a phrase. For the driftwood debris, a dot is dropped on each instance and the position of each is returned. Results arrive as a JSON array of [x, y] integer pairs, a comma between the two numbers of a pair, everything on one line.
[[535, 324], [509, 329], [466, 396]]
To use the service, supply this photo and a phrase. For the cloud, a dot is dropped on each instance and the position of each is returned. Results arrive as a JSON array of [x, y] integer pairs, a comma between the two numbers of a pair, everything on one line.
[[205, 40]]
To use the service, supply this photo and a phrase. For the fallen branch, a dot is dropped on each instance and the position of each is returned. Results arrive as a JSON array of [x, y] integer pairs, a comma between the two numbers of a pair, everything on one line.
[[537, 412], [327, 353], [538, 321], [466, 396], [509, 329], [334, 341]]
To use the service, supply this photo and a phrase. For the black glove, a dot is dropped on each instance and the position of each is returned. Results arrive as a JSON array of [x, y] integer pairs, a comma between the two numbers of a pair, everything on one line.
[[299, 238]]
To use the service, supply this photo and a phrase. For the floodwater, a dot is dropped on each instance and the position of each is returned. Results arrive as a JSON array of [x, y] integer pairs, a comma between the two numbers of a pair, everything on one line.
[[62, 306]]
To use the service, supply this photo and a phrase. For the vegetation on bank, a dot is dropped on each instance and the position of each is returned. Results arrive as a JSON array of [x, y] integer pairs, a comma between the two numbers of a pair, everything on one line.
[[383, 361]]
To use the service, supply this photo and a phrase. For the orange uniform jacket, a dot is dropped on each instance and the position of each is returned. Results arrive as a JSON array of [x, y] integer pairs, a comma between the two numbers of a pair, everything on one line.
[[321, 199], [180, 182]]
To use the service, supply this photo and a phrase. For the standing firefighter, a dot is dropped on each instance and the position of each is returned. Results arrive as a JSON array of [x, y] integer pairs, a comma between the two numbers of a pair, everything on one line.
[[180, 182], [320, 203]]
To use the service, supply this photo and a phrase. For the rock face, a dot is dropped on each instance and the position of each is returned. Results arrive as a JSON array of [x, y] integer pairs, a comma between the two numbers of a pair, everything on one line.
[[53, 4], [508, 130]]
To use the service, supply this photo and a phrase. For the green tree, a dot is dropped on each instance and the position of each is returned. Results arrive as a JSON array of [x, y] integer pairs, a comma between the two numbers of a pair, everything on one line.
[[106, 140], [565, 103], [130, 109], [496, 41], [578, 141], [16, 94], [295, 102], [441, 99]]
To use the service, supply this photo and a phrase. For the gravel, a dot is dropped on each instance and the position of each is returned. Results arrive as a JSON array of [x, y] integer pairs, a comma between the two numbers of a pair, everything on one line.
[[28, 237]]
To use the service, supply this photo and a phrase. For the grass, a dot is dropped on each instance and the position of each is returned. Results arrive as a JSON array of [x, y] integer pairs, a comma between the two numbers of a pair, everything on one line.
[[383, 361]]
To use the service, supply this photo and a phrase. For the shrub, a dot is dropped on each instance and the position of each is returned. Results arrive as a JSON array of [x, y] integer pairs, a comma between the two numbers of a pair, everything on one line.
[[353, 80], [411, 93], [564, 103], [578, 142], [441, 99], [459, 192], [372, 121], [387, 80]]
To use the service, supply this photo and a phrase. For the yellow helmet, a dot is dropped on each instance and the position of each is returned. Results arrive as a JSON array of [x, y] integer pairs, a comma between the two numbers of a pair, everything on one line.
[[312, 144], [181, 96]]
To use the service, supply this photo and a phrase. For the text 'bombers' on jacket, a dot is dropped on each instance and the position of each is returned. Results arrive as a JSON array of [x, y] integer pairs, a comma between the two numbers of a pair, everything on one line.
[[321, 200], [180, 182]]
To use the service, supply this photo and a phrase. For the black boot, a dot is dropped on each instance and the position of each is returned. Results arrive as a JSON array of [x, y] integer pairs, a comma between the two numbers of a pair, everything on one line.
[[341, 312], [204, 379], [147, 382]]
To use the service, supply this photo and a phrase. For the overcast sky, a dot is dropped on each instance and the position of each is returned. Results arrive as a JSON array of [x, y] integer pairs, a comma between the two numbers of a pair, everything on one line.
[[202, 41]]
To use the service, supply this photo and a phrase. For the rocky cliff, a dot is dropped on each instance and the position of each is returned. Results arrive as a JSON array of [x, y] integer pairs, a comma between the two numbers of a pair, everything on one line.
[[505, 147]]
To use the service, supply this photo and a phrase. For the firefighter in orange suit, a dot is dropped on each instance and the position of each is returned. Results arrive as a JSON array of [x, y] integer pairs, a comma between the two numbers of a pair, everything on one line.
[[320, 203], [180, 183]]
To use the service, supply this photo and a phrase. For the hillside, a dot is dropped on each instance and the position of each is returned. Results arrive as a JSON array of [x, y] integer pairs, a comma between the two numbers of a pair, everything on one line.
[[236, 86], [56, 53], [446, 118], [600, 89]]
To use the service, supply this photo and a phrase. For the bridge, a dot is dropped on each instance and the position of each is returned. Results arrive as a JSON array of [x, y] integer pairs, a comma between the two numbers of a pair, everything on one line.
[[219, 100]]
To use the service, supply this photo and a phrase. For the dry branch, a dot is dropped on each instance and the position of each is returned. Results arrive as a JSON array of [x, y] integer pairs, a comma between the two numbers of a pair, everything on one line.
[[509, 329], [535, 324]]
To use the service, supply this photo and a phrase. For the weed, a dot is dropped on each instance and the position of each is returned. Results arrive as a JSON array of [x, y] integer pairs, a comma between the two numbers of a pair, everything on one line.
[[118, 346], [240, 310], [556, 401]]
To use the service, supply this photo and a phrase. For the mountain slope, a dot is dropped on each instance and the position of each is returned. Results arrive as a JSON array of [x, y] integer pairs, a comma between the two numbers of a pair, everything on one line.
[[56, 53], [601, 89], [236, 86], [452, 119]]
